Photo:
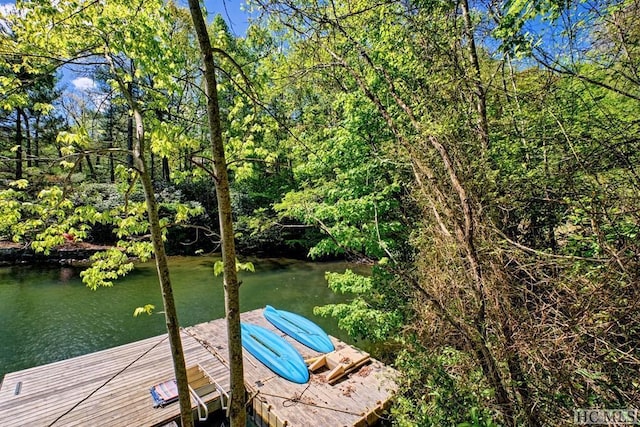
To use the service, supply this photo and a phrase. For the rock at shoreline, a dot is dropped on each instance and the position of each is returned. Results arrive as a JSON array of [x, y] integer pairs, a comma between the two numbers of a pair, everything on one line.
[[71, 253]]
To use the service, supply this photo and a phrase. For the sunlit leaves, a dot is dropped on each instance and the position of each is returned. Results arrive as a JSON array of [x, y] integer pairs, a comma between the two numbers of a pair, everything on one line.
[[133, 222], [106, 267], [114, 30], [359, 319], [348, 190], [41, 221], [185, 212], [20, 184], [148, 309], [363, 316], [349, 282], [142, 250], [169, 140], [80, 138], [352, 213], [218, 267], [44, 222], [10, 214]]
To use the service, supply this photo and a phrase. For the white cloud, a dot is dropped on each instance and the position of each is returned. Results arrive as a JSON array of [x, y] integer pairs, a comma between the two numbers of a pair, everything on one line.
[[86, 92], [7, 9], [84, 83]]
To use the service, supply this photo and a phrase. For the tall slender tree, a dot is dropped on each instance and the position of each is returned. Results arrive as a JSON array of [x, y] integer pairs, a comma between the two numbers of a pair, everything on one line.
[[231, 284], [94, 30]]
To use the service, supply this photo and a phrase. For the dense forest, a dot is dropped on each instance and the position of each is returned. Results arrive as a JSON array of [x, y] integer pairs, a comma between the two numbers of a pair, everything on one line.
[[482, 156]]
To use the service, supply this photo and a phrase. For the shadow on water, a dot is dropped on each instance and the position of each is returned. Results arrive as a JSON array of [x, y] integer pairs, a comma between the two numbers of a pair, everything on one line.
[[48, 314]]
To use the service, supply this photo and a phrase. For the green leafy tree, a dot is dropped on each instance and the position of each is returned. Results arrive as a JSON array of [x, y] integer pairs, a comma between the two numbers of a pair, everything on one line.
[[515, 203], [26, 93], [133, 44]]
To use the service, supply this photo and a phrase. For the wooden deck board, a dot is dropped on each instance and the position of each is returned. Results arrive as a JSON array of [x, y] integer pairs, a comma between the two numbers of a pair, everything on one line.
[[48, 391]]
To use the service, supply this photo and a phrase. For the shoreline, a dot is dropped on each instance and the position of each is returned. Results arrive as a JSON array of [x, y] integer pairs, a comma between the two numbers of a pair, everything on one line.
[[77, 254], [71, 253]]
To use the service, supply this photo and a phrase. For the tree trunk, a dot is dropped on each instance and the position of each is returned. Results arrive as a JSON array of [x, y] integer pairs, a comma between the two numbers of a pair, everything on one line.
[[231, 284], [171, 315], [166, 177], [27, 132], [153, 167], [92, 171], [36, 142], [129, 136], [19, 143], [112, 170]]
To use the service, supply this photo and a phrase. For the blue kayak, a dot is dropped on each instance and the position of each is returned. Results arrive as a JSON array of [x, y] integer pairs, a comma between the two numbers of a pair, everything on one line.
[[299, 328], [274, 352]]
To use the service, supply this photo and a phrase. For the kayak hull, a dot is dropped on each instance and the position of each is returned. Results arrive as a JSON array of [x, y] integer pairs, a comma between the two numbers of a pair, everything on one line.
[[299, 328], [274, 352]]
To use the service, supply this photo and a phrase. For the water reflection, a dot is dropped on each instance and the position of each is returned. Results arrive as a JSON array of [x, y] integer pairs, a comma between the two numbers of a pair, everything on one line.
[[66, 274]]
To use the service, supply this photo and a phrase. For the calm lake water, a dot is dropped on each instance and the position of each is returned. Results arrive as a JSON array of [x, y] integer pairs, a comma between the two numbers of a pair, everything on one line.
[[48, 314]]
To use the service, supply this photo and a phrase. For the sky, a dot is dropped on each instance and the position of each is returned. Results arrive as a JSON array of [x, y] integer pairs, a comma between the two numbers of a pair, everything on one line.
[[231, 11]]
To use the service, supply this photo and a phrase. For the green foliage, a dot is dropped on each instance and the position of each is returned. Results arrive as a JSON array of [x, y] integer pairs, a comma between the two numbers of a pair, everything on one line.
[[439, 389], [516, 14], [336, 157], [369, 88], [24, 84], [349, 282], [169, 139], [348, 189], [218, 267], [358, 319], [148, 308], [131, 226], [372, 313], [106, 267], [41, 221], [44, 220]]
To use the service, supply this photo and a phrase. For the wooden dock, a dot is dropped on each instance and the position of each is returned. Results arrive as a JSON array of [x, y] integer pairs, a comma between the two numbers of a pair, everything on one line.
[[111, 387]]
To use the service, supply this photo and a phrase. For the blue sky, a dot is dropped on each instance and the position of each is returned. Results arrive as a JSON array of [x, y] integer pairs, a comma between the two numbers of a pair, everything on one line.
[[231, 11]]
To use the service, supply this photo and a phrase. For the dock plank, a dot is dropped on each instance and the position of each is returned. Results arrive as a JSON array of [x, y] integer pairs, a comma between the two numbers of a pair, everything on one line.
[[111, 387], [49, 391]]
